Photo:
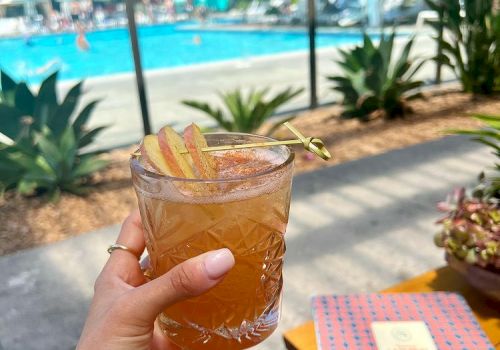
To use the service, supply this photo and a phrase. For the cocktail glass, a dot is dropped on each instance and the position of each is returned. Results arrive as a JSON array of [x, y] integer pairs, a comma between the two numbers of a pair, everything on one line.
[[246, 210]]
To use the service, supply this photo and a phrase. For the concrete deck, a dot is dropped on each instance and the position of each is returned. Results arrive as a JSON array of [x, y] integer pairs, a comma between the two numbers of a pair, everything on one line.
[[357, 227]]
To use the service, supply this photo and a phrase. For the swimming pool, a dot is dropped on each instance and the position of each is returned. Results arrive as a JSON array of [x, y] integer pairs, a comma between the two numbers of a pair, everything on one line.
[[162, 46]]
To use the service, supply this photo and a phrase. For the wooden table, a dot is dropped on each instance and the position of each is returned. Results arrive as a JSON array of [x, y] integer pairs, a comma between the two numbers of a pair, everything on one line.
[[443, 279]]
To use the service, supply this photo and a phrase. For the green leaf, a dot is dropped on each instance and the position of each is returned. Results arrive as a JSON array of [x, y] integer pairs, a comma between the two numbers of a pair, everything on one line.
[[54, 194], [41, 172], [83, 117], [264, 110], [479, 132], [67, 143], [402, 64], [368, 104], [48, 172], [416, 95], [368, 43], [449, 48], [215, 114], [87, 166], [60, 120], [8, 84], [488, 143], [24, 99], [10, 121], [408, 86], [49, 151], [444, 60], [88, 137], [350, 113], [413, 69], [434, 5], [26, 187], [77, 188], [385, 48], [232, 101], [10, 171], [68, 148], [26, 145], [339, 80], [491, 120], [374, 78], [46, 101]]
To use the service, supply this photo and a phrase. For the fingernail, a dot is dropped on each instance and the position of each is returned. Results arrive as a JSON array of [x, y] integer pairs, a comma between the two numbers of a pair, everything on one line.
[[218, 262]]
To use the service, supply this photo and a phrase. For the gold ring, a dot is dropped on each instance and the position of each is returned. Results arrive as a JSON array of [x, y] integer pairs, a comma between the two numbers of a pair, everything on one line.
[[118, 246]]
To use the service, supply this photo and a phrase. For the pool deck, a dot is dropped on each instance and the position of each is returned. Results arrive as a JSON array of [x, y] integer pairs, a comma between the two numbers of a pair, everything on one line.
[[357, 227], [402, 29], [167, 87]]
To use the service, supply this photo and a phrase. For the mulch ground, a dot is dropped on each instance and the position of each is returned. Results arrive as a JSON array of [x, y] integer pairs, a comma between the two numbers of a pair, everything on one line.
[[29, 222]]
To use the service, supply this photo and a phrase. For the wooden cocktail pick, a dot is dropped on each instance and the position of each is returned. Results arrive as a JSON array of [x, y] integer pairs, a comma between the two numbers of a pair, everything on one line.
[[311, 144]]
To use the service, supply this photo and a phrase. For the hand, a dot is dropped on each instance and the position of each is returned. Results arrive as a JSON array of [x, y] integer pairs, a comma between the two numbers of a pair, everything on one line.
[[125, 305]]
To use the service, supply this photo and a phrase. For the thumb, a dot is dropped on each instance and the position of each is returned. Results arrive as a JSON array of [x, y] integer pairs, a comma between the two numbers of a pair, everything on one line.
[[188, 279]]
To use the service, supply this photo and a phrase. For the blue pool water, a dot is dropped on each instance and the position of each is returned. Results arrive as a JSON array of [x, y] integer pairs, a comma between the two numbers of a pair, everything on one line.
[[162, 46]]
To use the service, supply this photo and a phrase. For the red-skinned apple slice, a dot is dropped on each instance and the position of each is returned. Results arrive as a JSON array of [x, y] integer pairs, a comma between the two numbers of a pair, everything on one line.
[[150, 150], [171, 145], [204, 162]]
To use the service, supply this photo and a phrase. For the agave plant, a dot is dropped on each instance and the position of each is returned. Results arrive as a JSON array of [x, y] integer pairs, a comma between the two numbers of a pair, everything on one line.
[[245, 113], [373, 81], [471, 44], [44, 139]]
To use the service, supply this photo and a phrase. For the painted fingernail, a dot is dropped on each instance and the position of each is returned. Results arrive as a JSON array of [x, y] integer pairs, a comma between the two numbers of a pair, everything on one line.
[[218, 262]]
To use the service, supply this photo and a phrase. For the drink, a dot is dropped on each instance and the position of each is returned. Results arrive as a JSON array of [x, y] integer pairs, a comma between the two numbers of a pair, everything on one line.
[[245, 210]]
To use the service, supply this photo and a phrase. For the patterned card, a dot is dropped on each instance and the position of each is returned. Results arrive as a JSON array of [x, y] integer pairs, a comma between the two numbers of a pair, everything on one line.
[[343, 322]]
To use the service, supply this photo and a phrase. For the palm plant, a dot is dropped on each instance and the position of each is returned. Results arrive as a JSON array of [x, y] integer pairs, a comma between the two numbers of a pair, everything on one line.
[[472, 48], [489, 188], [245, 113], [45, 139], [373, 82], [470, 231]]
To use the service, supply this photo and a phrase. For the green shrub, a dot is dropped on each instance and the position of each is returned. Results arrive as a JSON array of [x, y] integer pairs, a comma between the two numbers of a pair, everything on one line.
[[470, 230], [44, 153], [471, 44], [372, 82], [245, 114], [489, 188]]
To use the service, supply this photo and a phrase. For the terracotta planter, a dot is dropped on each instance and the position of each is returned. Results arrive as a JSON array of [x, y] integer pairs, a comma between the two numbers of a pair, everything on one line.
[[486, 281]]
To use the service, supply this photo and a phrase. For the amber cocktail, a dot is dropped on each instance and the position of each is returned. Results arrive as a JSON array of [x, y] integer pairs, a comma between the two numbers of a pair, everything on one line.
[[244, 209]]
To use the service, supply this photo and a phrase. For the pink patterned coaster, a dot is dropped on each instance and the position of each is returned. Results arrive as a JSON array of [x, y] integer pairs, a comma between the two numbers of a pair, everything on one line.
[[343, 322]]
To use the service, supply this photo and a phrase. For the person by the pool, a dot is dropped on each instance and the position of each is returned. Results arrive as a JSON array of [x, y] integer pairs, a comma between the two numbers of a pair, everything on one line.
[[197, 40], [81, 41]]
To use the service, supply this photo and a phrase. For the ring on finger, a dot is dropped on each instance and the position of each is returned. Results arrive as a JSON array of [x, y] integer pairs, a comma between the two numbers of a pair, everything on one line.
[[118, 246]]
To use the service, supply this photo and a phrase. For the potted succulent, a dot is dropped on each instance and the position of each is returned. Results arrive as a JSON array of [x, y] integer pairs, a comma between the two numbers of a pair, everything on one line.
[[470, 231]]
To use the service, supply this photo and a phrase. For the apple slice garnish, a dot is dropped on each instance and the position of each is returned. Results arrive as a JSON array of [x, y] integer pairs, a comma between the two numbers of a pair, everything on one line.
[[171, 145], [150, 150], [204, 162]]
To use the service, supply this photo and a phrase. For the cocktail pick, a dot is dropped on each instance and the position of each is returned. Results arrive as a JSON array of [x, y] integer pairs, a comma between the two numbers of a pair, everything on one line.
[[311, 144]]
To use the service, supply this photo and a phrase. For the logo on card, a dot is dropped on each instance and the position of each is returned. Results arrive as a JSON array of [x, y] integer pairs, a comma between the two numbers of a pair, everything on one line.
[[402, 335]]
